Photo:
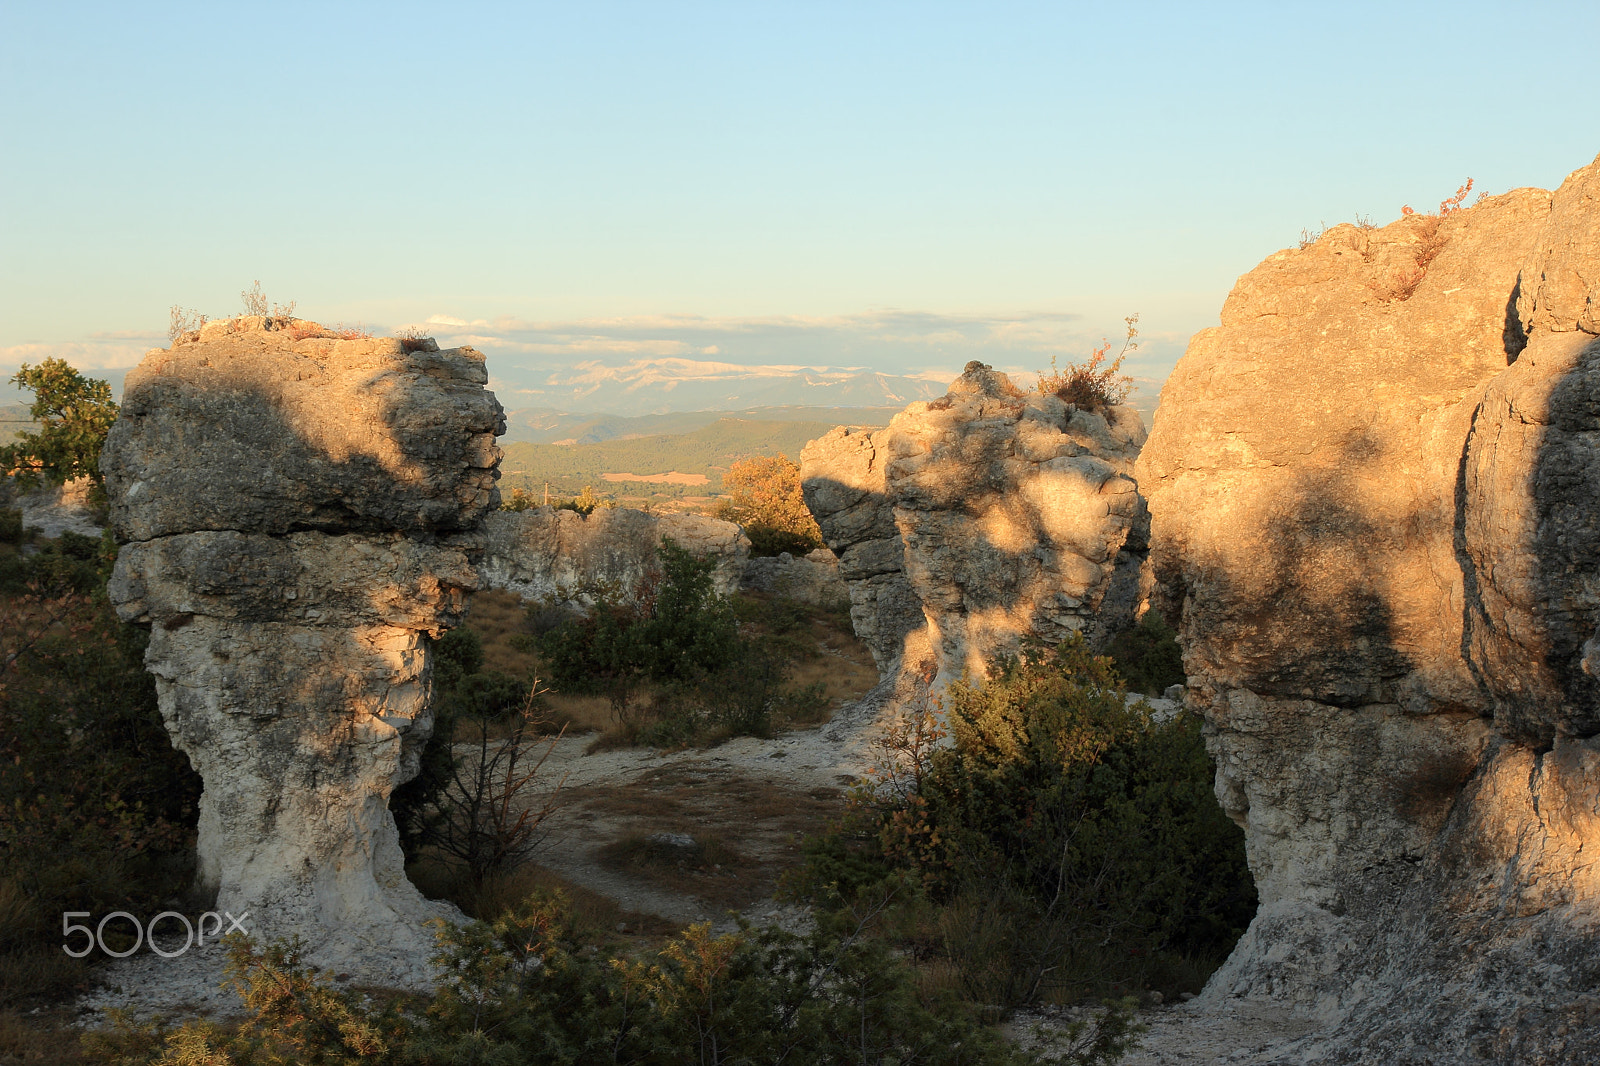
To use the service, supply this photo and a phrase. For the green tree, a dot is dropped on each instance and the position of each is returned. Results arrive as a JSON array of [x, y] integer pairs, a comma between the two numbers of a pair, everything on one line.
[[74, 414], [676, 633]]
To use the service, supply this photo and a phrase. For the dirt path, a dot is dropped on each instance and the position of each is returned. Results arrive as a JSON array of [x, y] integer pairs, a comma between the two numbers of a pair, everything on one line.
[[743, 805]]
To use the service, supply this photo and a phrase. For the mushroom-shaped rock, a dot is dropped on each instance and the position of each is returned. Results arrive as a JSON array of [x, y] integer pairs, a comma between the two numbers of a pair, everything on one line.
[[300, 514]]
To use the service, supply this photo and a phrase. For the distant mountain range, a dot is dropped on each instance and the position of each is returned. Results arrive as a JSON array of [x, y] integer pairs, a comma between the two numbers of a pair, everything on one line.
[[541, 425], [668, 385]]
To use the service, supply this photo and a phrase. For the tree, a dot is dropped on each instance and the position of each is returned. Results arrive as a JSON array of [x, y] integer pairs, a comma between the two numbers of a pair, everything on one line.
[[74, 414], [767, 502], [677, 633]]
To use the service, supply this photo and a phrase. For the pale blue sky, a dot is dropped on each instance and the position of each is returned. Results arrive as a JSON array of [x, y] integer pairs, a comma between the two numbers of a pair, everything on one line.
[[586, 170]]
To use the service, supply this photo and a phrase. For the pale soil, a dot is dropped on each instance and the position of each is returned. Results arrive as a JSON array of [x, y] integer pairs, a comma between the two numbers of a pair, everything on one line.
[[672, 477], [750, 797]]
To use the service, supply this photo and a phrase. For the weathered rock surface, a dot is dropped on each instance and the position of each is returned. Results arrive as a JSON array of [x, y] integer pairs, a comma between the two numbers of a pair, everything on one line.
[[52, 510], [977, 520], [316, 434], [300, 518], [560, 558], [1375, 519], [810, 578]]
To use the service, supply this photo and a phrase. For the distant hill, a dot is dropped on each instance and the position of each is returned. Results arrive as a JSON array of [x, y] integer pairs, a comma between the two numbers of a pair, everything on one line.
[[13, 419], [543, 425], [671, 384], [707, 451]]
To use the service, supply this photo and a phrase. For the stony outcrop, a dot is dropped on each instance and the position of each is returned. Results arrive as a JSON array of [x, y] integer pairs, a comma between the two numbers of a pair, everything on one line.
[[1375, 496], [979, 519], [560, 558], [300, 516], [810, 578], [52, 510]]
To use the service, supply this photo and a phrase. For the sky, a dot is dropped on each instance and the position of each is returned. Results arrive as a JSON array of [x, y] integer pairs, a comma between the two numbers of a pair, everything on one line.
[[896, 187]]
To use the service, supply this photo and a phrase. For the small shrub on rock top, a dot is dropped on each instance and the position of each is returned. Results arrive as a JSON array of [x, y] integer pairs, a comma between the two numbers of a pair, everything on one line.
[[1402, 285], [1093, 383]]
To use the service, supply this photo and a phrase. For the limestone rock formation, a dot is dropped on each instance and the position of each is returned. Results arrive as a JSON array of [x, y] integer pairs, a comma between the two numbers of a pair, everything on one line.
[[299, 516], [560, 558], [1375, 498], [810, 578], [977, 520]]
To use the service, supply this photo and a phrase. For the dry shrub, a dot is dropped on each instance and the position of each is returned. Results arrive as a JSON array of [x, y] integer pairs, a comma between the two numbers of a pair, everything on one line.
[[1093, 383], [1402, 285], [413, 339], [185, 325], [768, 503]]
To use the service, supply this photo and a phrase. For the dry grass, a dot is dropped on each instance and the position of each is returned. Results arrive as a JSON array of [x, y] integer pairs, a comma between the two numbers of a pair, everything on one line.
[[746, 829], [710, 869], [498, 617], [1094, 382], [44, 1039]]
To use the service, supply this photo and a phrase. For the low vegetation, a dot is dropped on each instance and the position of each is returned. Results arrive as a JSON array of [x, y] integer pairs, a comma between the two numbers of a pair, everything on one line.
[[97, 810], [528, 988], [674, 662], [1067, 845]]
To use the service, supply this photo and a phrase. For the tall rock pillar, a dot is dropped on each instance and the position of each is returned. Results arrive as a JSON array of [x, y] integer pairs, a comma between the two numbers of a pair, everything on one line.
[[299, 515]]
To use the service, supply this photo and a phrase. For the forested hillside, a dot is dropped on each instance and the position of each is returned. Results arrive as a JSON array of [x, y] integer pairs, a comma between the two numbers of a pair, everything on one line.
[[707, 451]]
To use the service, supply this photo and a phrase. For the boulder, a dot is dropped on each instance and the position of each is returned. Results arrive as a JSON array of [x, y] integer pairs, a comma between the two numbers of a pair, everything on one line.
[[1373, 498], [811, 578], [979, 520], [562, 559], [341, 436], [299, 517]]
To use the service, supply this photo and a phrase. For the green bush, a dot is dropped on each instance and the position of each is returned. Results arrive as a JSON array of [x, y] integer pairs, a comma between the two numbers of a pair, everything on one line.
[[715, 668], [1148, 656], [527, 989], [73, 413], [97, 808], [1066, 845]]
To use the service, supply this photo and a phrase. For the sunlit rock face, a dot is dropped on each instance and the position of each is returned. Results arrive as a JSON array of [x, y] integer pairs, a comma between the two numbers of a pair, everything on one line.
[[300, 516], [1376, 519], [979, 520]]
